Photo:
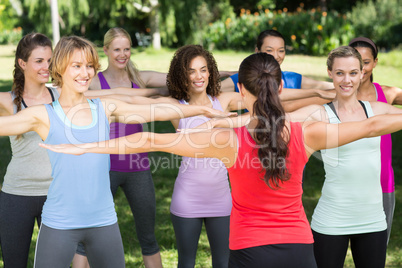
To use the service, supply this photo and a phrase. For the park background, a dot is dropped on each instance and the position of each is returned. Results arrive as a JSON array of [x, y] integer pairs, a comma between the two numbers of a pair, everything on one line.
[[229, 29]]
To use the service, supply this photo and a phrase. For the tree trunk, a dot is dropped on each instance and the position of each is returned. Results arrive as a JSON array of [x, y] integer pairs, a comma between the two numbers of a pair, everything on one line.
[[154, 22]]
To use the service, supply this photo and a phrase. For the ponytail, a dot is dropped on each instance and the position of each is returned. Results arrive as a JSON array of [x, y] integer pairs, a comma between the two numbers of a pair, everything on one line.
[[261, 76]]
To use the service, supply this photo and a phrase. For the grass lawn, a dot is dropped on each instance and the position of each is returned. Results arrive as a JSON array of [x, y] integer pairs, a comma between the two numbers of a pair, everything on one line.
[[164, 176]]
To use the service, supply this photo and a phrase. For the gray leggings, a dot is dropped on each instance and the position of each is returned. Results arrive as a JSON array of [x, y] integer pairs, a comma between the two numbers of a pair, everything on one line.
[[188, 230], [56, 248], [388, 200], [140, 193]]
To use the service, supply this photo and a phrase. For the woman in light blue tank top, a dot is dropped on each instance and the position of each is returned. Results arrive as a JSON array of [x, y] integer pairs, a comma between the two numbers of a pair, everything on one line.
[[79, 206]]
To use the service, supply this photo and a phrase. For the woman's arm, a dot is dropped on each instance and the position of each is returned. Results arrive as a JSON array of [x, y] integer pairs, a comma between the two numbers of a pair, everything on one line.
[[119, 111], [289, 94], [312, 83], [393, 95], [153, 79], [129, 92], [218, 143], [6, 104], [228, 122], [34, 118], [227, 85], [319, 135]]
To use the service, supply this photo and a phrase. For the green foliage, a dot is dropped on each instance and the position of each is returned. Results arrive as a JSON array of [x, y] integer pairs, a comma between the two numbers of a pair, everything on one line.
[[9, 32], [380, 21], [310, 32], [190, 19]]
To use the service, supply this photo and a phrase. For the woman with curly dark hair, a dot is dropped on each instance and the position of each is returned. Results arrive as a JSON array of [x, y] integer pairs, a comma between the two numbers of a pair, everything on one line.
[[201, 193]]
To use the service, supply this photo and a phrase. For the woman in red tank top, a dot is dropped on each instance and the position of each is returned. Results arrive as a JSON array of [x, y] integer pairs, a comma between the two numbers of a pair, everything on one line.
[[265, 160]]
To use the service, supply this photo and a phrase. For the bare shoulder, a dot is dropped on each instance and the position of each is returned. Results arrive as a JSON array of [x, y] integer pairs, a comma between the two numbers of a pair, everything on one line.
[[6, 104]]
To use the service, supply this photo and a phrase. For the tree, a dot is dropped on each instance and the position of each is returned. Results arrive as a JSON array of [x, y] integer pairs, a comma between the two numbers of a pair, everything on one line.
[[152, 9]]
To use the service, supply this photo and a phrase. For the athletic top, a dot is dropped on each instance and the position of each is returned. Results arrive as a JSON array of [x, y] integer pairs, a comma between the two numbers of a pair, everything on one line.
[[202, 186], [125, 162], [29, 172], [262, 215], [387, 172], [79, 195], [290, 79], [351, 200]]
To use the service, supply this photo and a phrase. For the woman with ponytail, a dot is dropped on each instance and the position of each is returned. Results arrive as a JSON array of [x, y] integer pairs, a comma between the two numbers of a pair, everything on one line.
[[28, 174], [265, 161]]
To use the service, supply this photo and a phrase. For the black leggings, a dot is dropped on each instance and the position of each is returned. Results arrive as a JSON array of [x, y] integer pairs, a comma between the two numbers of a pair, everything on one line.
[[140, 193], [368, 250], [17, 220], [188, 230], [103, 246], [274, 256]]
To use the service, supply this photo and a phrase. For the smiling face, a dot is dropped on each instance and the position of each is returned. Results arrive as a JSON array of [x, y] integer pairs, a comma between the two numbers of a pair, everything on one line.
[[36, 68], [346, 75], [118, 52], [198, 75], [274, 46], [79, 72], [369, 62]]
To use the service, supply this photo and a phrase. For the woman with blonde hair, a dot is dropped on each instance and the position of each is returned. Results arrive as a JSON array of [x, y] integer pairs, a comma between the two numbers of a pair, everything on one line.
[[265, 161], [131, 172]]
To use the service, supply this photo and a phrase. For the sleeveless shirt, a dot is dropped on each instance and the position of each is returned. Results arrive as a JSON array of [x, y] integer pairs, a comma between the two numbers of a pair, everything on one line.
[[29, 172], [79, 195], [351, 200], [125, 162], [262, 215], [202, 187], [387, 172]]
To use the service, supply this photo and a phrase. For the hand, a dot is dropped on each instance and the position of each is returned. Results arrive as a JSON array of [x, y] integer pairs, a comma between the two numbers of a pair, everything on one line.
[[328, 94], [207, 126], [64, 148], [213, 113]]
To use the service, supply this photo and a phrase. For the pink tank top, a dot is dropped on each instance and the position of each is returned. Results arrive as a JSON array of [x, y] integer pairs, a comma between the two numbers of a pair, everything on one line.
[[202, 187], [387, 172], [125, 162]]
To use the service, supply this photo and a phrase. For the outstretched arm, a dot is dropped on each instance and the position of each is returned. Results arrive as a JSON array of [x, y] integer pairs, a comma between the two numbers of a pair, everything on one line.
[[319, 135], [312, 83], [34, 118], [119, 111], [144, 92], [289, 94], [218, 143]]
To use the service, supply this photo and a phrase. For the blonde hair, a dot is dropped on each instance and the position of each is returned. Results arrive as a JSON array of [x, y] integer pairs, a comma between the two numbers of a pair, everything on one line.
[[63, 52], [131, 69]]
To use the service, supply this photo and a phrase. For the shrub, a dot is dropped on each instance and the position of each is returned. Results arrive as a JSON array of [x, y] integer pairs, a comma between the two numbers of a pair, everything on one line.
[[380, 21], [311, 32]]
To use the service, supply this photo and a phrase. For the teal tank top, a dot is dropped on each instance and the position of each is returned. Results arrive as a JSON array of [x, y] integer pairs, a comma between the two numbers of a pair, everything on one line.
[[351, 198], [79, 195]]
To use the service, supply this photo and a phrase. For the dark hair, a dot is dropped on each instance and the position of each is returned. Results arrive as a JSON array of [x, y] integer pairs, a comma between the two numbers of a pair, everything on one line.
[[24, 49], [266, 33], [367, 43], [343, 52], [178, 79], [260, 74]]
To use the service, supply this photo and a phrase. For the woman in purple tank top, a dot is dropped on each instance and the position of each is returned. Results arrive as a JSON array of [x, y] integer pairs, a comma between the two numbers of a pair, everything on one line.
[[131, 172], [201, 193], [370, 91]]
